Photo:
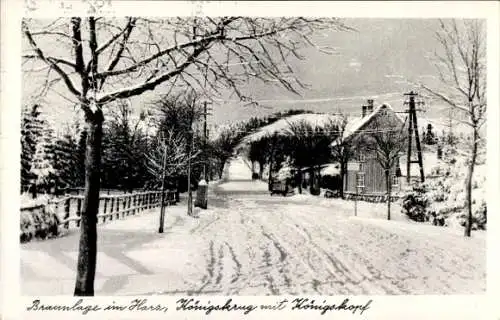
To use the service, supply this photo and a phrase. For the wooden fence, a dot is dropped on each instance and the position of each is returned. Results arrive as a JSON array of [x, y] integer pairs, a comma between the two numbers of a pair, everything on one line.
[[371, 197], [111, 207]]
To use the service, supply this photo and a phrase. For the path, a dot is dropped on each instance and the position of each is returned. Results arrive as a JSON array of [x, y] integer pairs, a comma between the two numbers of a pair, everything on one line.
[[249, 243]]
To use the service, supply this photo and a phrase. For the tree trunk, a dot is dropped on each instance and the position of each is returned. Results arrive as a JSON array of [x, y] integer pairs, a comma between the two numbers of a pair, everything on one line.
[[312, 176], [468, 185], [342, 173], [388, 186], [87, 252], [261, 169], [177, 191], [299, 172]]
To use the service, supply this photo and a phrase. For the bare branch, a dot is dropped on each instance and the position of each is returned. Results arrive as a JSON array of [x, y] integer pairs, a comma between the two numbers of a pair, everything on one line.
[[445, 99], [39, 52], [142, 87], [51, 59], [126, 30]]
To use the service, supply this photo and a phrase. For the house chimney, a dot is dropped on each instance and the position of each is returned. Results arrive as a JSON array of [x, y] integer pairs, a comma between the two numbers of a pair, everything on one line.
[[370, 106], [363, 111]]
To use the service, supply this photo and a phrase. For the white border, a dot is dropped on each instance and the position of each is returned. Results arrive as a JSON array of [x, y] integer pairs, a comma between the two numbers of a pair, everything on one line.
[[408, 307]]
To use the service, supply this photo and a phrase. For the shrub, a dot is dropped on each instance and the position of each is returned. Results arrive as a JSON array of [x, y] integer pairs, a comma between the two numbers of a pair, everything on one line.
[[39, 223], [479, 217], [416, 203]]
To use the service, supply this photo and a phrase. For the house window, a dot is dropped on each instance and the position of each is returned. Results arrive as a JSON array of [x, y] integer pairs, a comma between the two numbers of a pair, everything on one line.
[[395, 181], [360, 180]]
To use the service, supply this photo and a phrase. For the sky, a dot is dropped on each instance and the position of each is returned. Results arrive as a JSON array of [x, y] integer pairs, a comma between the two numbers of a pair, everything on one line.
[[369, 62], [366, 64]]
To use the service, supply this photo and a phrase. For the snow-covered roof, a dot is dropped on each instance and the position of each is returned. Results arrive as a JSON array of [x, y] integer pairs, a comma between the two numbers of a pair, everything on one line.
[[355, 124], [331, 169], [282, 126]]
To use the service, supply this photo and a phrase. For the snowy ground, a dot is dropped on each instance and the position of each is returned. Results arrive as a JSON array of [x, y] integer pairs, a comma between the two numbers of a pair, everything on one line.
[[249, 243]]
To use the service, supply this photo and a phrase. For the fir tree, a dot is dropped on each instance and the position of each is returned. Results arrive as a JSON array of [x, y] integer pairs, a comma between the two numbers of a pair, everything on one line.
[[31, 131]]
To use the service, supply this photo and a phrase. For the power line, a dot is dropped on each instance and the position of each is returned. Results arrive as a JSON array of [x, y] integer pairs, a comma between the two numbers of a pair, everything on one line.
[[322, 131], [327, 99]]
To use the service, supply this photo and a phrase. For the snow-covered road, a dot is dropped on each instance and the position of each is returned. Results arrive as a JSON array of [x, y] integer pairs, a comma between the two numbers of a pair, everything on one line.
[[249, 243]]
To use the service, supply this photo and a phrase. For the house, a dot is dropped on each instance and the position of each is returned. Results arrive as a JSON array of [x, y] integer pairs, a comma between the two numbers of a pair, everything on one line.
[[364, 174]]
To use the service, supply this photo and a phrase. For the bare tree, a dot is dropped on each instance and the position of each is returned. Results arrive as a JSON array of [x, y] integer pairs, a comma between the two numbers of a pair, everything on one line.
[[97, 60], [461, 66], [342, 148], [385, 139], [170, 157]]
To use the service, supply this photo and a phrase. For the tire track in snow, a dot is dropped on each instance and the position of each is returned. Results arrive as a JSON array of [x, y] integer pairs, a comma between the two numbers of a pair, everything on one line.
[[220, 266], [208, 277], [389, 284], [292, 258], [295, 258], [276, 244], [339, 272], [237, 275], [355, 281]]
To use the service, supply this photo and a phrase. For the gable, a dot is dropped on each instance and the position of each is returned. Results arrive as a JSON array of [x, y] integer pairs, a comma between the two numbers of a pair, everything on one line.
[[382, 114]]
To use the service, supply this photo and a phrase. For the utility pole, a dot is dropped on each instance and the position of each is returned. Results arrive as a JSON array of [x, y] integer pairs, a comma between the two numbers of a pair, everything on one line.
[[202, 192], [205, 139], [413, 126], [162, 207], [190, 194]]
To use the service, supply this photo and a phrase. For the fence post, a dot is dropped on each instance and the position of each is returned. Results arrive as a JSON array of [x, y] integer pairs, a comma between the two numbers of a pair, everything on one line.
[[105, 209], [124, 206], [129, 204], [66, 211], [148, 202], [112, 208], [134, 204], [118, 207], [78, 211]]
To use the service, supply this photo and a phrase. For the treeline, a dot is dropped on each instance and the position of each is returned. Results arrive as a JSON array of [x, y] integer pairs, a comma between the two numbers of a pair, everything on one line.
[[305, 148], [136, 150]]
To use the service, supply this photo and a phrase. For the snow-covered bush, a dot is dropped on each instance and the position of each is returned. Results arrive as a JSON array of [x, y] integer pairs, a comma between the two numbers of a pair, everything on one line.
[[479, 217], [416, 203], [40, 222]]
